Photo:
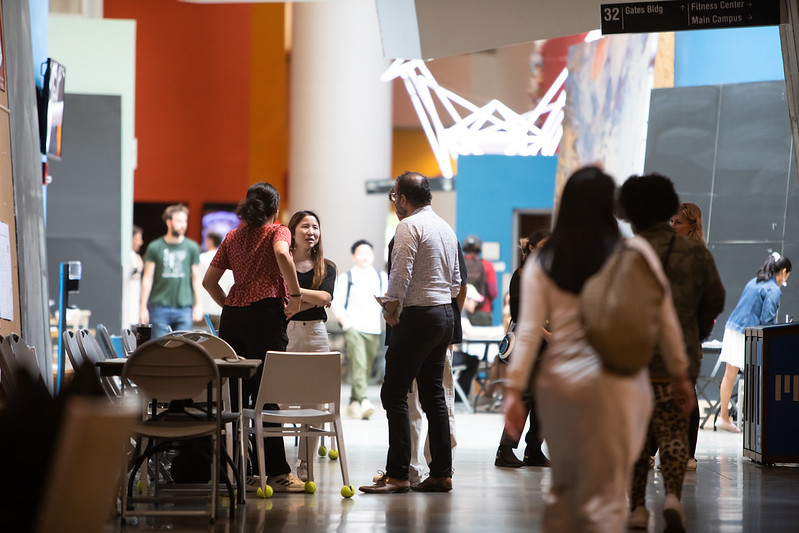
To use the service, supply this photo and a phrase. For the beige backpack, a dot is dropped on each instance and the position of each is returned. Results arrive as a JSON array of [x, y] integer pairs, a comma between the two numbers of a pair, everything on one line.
[[620, 307]]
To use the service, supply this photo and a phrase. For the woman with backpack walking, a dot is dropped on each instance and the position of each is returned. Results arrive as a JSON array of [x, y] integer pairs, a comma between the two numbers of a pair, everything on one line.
[[593, 420]]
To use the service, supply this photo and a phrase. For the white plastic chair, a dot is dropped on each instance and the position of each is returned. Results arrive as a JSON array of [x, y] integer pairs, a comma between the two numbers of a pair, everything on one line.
[[301, 381]]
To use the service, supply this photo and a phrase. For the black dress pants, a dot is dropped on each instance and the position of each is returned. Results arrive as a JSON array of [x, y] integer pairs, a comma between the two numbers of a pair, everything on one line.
[[252, 331], [417, 350]]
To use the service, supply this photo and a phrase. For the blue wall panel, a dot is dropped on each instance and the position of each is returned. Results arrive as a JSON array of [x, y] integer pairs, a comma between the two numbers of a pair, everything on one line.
[[490, 188], [715, 57]]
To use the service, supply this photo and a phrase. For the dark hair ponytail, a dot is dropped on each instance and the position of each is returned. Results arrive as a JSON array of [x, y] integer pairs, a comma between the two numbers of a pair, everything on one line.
[[260, 204], [773, 266]]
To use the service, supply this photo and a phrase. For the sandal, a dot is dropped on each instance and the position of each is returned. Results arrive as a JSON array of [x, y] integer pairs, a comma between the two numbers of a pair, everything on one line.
[[723, 425]]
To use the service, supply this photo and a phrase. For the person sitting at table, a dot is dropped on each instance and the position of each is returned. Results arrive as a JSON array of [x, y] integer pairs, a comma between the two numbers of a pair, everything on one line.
[[470, 353], [264, 294]]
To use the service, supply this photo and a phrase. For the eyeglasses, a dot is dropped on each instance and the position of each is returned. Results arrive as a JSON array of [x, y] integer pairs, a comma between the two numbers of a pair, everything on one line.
[[392, 196]]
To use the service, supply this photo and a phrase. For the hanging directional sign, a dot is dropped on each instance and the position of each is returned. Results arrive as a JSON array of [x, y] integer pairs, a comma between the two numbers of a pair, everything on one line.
[[679, 15]]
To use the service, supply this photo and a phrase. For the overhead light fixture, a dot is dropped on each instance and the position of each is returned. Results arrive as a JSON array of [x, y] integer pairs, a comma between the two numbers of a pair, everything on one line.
[[476, 130]]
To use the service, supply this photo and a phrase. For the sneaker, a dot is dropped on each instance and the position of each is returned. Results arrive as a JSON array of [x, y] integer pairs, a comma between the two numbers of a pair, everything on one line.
[[354, 410], [253, 483], [434, 484], [639, 518], [690, 465], [507, 459], [286, 483], [673, 515], [302, 470], [386, 485], [367, 410]]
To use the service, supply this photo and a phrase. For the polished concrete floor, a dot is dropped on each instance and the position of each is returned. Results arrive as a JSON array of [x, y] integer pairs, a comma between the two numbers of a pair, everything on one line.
[[727, 493]]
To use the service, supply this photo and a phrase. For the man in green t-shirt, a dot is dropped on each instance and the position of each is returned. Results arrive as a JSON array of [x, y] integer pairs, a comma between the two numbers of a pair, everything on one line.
[[171, 281]]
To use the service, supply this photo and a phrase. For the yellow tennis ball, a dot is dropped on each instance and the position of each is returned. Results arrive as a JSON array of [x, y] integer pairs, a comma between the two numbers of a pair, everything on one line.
[[333, 454], [268, 494], [347, 491], [322, 451], [310, 487]]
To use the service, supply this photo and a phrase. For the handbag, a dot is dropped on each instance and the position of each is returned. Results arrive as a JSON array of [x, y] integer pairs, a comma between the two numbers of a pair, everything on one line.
[[620, 307], [507, 342]]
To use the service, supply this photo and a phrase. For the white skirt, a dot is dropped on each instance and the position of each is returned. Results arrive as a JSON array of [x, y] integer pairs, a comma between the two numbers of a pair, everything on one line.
[[733, 347]]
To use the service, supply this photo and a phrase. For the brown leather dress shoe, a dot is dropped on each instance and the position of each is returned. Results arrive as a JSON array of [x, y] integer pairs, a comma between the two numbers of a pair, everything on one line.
[[434, 484], [386, 485]]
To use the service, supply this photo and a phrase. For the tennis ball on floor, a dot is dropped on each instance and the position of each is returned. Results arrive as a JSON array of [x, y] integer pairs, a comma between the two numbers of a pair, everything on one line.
[[268, 494], [347, 491], [322, 451], [138, 486], [333, 454], [310, 487]]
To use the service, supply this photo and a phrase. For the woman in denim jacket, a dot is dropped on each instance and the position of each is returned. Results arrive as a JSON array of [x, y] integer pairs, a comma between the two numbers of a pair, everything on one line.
[[757, 307]]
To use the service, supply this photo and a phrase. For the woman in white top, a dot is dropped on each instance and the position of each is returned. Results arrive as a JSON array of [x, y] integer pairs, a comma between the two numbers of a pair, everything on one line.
[[317, 276], [593, 421]]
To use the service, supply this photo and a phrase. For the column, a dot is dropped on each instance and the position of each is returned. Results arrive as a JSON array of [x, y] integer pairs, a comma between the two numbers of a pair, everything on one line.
[[340, 123]]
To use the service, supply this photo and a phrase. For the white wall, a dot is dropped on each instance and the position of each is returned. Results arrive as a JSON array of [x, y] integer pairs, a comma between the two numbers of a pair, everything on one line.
[[100, 58]]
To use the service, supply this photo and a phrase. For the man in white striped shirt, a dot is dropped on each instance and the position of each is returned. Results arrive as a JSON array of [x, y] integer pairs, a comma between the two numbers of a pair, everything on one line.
[[424, 279]]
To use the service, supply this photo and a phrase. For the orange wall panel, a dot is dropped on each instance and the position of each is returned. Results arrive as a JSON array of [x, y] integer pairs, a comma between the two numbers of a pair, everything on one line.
[[197, 89], [411, 151], [269, 126]]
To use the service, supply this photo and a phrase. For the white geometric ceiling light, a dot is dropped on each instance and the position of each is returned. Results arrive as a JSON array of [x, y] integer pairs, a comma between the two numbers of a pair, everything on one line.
[[476, 130]]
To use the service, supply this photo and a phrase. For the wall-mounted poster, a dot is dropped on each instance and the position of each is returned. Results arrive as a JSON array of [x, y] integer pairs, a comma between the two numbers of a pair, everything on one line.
[[2, 58]]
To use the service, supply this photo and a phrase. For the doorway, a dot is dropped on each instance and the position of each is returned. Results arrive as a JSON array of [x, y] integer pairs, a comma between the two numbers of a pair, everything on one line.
[[525, 222]]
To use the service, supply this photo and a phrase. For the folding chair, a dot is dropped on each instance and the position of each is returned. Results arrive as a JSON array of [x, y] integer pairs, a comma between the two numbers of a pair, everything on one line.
[[209, 323], [128, 341], [106, 341], [169, 369], [73, 350], [302, 382], [92, 353], [217, 348], [15, 354]]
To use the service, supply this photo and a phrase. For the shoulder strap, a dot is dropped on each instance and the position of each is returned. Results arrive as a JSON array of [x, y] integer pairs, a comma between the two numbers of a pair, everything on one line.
[[349, 286]]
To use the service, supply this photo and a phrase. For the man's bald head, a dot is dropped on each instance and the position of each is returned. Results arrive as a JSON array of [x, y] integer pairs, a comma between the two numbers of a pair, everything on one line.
[[415, 187]]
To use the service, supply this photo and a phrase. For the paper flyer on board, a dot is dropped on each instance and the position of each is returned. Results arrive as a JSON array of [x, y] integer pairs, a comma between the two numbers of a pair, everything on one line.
[[6, 285]]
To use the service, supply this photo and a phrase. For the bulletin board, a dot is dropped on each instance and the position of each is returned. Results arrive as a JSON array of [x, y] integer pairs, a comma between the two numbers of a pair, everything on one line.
[[9, 274]]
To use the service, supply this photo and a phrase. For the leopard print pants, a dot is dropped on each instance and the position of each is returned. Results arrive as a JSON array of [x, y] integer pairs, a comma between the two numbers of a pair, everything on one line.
[[670, 431]]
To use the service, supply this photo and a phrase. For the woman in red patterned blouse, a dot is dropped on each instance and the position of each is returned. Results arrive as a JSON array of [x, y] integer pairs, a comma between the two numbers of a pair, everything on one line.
[[265, 292]]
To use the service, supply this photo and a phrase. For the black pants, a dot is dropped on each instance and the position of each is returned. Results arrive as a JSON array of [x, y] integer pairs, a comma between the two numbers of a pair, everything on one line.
[[417, 350], [466, 378], [533, 437], [252, 331], [693, 431]]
